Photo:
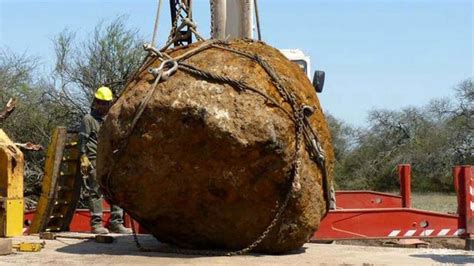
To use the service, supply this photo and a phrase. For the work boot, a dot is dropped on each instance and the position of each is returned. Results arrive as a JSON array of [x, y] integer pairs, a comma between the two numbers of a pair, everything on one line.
[[100, 230], [120, 229]]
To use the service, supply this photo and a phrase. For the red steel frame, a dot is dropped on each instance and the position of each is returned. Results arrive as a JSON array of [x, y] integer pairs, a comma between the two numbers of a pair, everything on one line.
[[81, 220], [362, 199], [375, 215], [371, 215]]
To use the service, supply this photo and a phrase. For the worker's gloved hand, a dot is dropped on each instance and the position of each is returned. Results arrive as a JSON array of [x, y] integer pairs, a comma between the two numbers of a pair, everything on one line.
[[85, 164]]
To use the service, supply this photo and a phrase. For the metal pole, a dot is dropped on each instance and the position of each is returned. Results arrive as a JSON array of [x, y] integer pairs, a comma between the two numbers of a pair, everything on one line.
[[155, 28], [467, 183], [247, 19], [258, 20], [218, 17], [456, 171], [404, 172]]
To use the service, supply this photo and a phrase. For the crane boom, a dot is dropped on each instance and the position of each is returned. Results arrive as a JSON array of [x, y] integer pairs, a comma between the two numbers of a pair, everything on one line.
[[182, 36], [232, 19]]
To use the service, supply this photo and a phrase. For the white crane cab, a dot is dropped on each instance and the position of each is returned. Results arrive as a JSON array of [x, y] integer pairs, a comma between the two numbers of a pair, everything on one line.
[[304, 62]]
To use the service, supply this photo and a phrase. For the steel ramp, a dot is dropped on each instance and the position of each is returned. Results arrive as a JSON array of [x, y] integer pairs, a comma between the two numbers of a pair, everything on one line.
[[61, 185]]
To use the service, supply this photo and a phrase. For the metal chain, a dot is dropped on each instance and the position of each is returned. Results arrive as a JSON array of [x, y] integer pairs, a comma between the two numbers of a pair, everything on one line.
[[174, 28], [185, 21], [241, 86], [135, 238], [299, 119], [212, 17], [298, 116], [288, 96], [299, 128], [281, 209]]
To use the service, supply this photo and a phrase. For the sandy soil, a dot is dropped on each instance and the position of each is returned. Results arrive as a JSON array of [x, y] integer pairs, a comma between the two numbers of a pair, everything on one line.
[[123, 251]]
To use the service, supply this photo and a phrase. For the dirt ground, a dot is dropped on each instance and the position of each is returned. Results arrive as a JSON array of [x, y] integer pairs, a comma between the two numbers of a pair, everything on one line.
[[65, 251], [436, 243]]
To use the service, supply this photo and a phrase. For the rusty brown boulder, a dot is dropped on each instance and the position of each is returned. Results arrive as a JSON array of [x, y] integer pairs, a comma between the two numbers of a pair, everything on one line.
[[206, 163]]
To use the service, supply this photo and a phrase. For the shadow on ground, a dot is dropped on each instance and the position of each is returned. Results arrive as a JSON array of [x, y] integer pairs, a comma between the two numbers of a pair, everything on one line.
[[450, 259], [125, 245]]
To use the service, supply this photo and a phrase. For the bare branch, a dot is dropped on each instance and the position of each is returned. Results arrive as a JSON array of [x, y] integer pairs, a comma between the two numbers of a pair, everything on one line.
[[29, 146], [8, 109]]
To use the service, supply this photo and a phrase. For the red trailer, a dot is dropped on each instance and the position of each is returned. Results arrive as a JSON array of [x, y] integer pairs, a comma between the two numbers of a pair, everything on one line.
[[375, 215], [371, 215]]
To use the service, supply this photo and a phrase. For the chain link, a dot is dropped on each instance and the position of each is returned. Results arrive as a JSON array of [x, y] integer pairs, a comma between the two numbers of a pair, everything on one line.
[[299, 120], [174, 28], [212, 17], [281, 209]]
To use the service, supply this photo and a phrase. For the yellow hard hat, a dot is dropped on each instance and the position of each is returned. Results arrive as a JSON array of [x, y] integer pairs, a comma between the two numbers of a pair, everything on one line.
[[104, 94]]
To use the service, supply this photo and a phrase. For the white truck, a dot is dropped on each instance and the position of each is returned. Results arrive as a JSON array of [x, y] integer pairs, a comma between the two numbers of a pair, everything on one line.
[[304, 62]]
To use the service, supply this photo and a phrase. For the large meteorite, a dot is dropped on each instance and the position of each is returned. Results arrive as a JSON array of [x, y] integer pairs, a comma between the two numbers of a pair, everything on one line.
[[207, 163]]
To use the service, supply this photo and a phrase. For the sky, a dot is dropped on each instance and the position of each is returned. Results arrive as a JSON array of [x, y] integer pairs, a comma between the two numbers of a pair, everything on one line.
[[376, 53]]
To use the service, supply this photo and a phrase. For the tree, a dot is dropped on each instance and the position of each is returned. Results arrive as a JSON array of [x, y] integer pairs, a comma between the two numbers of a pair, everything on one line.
[[432, 138], [462, 123], [35, 113], [342, 136], [108, 58]]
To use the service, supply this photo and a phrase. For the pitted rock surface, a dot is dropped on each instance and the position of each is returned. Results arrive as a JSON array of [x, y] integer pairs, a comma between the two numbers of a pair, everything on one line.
[[205, 165]]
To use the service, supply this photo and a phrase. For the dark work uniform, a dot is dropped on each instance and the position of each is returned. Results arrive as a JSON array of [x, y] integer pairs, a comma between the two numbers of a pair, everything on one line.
[[88, 134]]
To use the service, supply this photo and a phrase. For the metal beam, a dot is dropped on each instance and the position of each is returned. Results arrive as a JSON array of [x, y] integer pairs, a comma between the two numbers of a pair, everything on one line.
[[11, 188]]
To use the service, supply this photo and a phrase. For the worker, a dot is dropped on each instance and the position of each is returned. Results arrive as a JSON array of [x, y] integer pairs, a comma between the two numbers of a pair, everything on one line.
[[88, 134]]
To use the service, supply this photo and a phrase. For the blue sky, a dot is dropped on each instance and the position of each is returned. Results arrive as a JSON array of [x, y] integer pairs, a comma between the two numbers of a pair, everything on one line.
[[376, 54]]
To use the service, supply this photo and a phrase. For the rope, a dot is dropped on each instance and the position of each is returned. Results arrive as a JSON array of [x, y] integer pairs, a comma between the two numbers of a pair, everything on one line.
[[157, 19], [303, 131], [242, 86], [300, 133], [239, 85], [205, 45], [129, 132], [281, 209], [287, 96]]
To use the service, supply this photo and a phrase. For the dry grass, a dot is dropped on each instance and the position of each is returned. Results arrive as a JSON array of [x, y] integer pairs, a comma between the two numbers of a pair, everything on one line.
[[440, 202]]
